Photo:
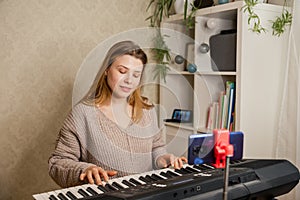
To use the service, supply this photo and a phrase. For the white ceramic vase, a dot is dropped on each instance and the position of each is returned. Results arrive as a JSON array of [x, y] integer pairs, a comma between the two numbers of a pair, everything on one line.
[[179, 6]]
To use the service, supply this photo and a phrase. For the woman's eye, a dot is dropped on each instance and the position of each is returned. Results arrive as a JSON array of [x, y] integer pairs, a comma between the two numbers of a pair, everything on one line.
[[136, 75], [122, 71]]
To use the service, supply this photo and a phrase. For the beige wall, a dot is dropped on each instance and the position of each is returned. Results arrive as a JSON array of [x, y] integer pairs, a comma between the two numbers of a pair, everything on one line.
[[43, 44]]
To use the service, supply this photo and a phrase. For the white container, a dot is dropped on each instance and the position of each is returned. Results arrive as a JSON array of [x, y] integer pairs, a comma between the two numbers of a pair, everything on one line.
[[179, 6]]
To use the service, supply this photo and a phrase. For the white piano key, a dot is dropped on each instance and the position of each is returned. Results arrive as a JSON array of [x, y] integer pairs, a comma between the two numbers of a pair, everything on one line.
[[95, 187], [64, 191], [83, 187], [52, 193], [42, 196], [74, 190], [119, 181]]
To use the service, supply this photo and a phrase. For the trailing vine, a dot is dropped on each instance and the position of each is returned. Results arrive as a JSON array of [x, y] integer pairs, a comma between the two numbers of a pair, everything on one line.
[[278, 25], [253, 17]]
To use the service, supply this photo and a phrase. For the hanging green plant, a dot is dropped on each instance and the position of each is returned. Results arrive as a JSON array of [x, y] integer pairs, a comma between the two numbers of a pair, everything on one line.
[[161, 9], [161, 54], [253, 18], [189, 20], [278, 26]]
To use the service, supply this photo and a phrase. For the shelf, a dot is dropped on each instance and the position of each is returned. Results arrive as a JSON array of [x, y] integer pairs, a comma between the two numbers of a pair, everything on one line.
[[216, 73], [180, 73], [186, 126], [210, 73], [223, 10], [200, 90], [210, 10]]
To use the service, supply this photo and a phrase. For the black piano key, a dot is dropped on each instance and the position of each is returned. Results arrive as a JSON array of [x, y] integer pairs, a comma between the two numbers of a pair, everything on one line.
[[150, 178], [132, 180], [166, 175], [192, 169], [83, 193], [187, 170], [172, 173], [71, 195], [125, 182], [91, 190], [52, 197], [110, 187], [61, 196], [156, 177], [117, 185], [102, 188], [200, 167], [144, 179], [182, 171]]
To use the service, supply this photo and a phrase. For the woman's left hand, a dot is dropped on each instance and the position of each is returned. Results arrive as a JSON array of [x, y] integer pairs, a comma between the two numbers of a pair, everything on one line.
[[171, 160]]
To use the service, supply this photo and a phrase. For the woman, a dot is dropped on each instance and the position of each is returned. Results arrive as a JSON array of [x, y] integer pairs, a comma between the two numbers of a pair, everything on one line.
[[113, 131]]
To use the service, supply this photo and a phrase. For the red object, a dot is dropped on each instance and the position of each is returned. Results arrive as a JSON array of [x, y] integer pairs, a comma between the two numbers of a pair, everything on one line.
[[222, 147]]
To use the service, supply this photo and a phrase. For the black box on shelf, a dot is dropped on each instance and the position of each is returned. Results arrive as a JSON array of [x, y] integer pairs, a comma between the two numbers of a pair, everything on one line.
[[223, 51]]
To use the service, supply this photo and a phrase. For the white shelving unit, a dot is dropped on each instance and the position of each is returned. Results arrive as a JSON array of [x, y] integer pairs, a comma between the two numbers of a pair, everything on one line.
[[258, 77]]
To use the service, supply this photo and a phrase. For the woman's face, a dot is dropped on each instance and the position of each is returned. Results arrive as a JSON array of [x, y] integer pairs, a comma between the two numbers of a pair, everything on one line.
[[124, 75]]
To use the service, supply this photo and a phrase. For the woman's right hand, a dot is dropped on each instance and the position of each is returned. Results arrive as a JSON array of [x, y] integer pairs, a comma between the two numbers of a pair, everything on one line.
[[95, 174]]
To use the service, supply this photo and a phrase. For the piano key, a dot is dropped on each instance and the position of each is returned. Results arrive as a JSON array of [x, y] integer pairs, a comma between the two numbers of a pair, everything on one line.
[[118, 181], [117, 185], [181, 171], [83, 193], [52, 197], [96, 189], [152, 179], [192, 169], [187, 171], [208, 166], [110, 187], [136, 182], [71, 195], [102, 188], [42, 196], [125, 182], [129, 184], [74, 191], [200, 167], [144, 179], [173, 173], [157, 177], [61, 196], [92, 191], [165, 174]]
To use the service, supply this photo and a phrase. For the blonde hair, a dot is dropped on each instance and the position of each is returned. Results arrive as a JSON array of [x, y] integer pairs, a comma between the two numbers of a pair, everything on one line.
[[100, 90]]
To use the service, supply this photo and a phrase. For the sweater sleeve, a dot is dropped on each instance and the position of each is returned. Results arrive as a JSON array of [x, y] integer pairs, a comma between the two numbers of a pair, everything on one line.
[[159, 143], [65, 163]]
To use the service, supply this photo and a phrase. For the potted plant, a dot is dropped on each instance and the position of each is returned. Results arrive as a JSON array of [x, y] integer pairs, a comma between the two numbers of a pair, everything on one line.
[[278, 25], [161, 9]]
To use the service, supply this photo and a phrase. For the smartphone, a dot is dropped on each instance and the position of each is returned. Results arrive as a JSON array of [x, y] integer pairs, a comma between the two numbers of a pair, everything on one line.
[[201, 147]]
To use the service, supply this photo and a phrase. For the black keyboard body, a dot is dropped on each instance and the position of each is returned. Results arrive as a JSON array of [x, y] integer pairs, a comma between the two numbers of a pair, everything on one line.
[[248, 179]]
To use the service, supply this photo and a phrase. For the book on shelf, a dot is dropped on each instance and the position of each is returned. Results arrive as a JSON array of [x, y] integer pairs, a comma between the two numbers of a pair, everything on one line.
[[221, 114]]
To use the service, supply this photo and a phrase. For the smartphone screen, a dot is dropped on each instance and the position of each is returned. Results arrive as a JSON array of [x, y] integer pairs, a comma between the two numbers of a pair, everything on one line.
[[201, 147]]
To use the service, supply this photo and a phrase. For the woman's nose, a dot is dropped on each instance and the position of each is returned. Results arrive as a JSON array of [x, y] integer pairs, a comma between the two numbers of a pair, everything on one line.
[[128, 78]]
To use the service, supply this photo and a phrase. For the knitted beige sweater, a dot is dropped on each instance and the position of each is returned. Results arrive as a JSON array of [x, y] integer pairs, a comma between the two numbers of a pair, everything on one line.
[[88, 138]]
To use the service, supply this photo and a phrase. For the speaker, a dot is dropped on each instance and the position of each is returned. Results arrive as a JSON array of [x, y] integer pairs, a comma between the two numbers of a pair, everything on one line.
[[223, 51]]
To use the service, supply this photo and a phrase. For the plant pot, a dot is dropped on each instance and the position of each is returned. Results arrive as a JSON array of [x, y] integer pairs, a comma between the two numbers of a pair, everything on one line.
[[179, 6]]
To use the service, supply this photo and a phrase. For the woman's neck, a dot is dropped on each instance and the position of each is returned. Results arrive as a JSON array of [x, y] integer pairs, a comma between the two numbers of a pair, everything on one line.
[[118, 110]]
